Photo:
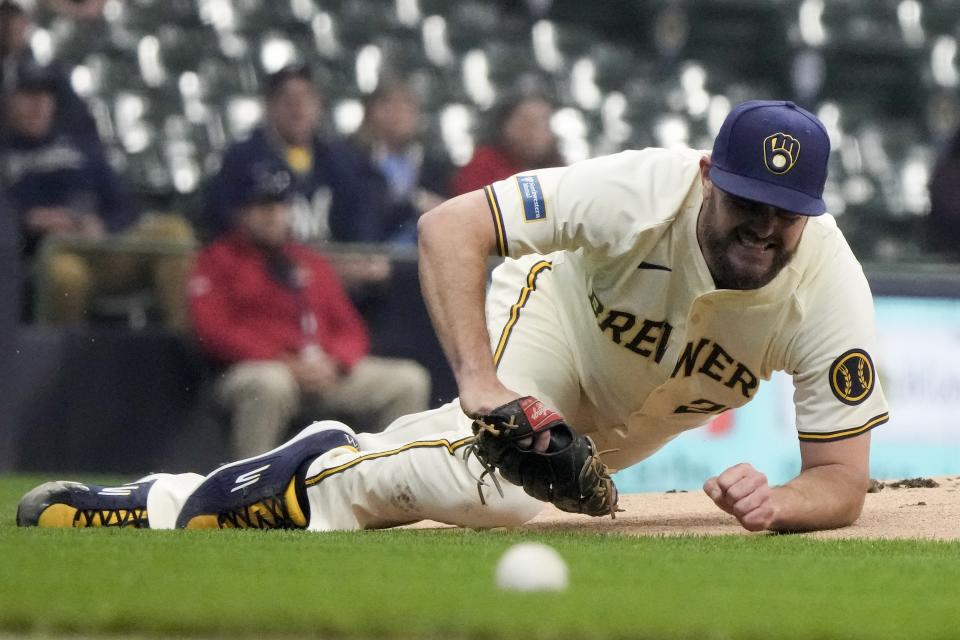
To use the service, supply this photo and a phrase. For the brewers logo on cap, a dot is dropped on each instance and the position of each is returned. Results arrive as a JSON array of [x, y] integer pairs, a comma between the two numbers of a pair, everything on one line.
[[780, 152], [852, 377]]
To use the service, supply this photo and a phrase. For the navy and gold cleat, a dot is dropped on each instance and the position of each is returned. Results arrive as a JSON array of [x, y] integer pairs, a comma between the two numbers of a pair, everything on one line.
[[266, 491], [73, 504]]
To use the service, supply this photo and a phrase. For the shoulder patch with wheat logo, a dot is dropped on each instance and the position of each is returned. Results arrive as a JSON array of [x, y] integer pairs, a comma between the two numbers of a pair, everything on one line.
[[852, 377]]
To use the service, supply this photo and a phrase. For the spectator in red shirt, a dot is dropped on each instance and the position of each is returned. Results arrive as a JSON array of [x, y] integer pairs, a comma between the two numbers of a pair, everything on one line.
[[275, 313], [518, 138]]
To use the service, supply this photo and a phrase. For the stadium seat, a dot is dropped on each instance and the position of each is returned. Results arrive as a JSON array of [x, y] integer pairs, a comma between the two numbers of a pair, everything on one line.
[[472, 24], [363, 20], [206, 60], [182, 48]]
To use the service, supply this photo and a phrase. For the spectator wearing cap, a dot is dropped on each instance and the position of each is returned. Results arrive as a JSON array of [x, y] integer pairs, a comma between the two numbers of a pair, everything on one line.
[[274, 312], [411, 179], [330, 201], [16, 57], [61, 185], [58, 183]]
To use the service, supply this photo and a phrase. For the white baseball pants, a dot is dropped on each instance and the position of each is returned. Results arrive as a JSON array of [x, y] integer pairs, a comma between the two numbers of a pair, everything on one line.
[[418, 468]]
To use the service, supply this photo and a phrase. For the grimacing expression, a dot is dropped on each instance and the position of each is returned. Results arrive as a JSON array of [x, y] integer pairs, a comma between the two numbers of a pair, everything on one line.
[[745, 243]]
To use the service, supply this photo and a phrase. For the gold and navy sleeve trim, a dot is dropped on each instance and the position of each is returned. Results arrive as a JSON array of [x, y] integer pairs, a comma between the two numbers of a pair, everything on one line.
[[843, 434], [451, 447], [525, 292], [497, 220]]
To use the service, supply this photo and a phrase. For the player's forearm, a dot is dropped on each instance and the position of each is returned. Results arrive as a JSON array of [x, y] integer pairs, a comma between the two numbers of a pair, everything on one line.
[[455, 241], [823, 497]]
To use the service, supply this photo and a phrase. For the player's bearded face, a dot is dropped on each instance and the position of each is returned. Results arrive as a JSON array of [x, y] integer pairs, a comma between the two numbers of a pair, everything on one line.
[[745, 243]]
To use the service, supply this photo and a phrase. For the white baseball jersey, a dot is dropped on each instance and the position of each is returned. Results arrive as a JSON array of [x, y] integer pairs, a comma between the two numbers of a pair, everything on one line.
[[656, 348], [607, 312]]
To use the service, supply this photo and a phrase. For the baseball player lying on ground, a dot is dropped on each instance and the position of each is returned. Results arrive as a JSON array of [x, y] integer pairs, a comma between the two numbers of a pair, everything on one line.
[[644, 293]]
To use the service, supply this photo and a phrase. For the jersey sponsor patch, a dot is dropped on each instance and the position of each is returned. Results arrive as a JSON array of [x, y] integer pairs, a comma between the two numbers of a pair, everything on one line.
[[534, 208], [852, 377]]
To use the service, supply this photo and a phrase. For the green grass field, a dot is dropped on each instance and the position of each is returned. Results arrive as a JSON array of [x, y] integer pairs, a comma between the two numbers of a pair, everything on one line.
[[439, 584]]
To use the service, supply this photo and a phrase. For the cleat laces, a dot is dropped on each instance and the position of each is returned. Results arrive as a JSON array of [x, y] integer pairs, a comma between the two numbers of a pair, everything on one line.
[[269, 513], [135, 518]]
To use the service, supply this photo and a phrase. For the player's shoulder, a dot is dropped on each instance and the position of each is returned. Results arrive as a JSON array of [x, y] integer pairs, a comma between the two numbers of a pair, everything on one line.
[[828, 262], [633, 161], [827, 241], [651, 181]]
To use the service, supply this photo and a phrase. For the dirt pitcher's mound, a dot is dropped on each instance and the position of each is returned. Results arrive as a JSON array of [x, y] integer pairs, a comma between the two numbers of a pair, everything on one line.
[[905, 509]]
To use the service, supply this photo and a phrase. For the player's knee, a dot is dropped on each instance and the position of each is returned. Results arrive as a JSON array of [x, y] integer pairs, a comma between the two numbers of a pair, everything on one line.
[[327, 424], [515, 508], [521, 509]]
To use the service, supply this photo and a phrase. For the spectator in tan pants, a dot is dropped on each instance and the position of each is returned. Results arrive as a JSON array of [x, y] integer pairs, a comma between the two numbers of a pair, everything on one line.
[[156, 253], [274, 312], [61, 185]]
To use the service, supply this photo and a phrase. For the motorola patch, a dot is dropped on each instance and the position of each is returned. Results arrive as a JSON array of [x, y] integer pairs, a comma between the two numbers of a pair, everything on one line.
[[534, 208], [852, 377]]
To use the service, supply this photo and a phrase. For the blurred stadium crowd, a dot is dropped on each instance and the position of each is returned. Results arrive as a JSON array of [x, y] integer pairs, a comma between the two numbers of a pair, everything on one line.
[[135, 130], [170, 84]]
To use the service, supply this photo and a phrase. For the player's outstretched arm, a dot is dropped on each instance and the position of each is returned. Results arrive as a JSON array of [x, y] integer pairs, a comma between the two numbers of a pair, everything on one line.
[[828, 493], [455, 241]]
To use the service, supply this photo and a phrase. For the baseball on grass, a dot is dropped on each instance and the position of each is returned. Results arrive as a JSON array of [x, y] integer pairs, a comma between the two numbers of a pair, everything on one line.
[[531, 566]]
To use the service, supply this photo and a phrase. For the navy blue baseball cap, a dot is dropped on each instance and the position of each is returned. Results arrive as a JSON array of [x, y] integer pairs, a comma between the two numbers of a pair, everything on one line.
[[773, 152], [261, 183]]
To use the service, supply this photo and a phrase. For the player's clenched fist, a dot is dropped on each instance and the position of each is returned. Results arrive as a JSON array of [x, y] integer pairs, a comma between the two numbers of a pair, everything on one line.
[[743, 492]]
